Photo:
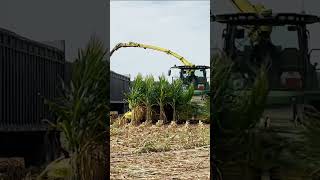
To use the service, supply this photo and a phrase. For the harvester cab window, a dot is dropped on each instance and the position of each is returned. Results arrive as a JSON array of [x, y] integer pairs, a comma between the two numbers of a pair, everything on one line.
[[285, 36], [184, 74], [241, 43], [192, 77], [282, 37], [200, 73], [315, 59]]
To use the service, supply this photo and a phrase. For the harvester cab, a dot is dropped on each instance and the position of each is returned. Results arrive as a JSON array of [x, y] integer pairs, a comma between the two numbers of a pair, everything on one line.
[[194, 75], [283, 48]]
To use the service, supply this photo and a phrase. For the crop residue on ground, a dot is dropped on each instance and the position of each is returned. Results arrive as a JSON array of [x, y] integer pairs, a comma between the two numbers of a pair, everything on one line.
[[160, 152]]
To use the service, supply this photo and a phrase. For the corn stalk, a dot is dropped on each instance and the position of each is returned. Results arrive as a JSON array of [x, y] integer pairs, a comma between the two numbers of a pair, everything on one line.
[[162, 96], [135, 98], [149, 97], [82, 110]]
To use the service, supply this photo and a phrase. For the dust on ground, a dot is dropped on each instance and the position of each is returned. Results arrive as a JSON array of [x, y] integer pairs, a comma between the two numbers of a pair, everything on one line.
[[160, 152]]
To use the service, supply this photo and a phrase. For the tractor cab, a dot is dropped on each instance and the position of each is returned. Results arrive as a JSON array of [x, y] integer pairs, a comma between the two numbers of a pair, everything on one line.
[[278, 41], [196, 75]]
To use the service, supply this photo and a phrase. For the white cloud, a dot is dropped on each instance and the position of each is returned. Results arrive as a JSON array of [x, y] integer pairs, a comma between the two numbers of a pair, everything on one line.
[[182, 26]]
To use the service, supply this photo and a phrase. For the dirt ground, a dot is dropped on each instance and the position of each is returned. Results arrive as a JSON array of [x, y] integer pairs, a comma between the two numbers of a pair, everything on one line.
[[160, 152]]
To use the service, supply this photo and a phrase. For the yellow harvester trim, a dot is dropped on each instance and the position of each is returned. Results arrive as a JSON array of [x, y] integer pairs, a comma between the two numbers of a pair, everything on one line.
[[156, 48], [245, 6], [128, 115]]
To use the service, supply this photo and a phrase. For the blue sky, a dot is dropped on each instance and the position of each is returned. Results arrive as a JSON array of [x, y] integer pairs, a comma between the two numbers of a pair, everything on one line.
[[181, 26]]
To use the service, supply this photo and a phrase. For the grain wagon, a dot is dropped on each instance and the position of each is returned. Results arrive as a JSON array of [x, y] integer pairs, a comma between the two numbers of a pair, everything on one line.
[[30, 73]]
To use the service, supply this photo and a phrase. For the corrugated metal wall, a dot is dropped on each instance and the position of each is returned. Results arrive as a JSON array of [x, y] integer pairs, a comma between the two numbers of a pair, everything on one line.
[[68, 72], [29, 73], [119, 84]]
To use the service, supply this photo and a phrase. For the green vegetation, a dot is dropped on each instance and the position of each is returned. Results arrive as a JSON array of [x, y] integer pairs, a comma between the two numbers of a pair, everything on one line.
[[236, 115], [149, 97], [82, 117], [309, 151], [162, 96], [151, 100], [135, 98], [236, 109]]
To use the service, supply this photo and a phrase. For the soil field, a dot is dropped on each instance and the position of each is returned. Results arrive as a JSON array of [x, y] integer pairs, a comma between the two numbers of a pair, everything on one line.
[[160, 152]]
